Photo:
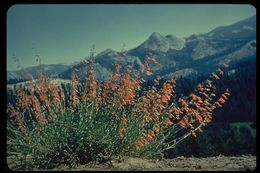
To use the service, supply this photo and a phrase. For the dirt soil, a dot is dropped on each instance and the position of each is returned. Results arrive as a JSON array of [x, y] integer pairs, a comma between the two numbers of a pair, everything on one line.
[[218, 163]]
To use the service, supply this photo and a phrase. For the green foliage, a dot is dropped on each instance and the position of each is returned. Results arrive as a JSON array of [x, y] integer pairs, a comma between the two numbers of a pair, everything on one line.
[[70, 138], [93, 121], [219, 138], [74, 138]]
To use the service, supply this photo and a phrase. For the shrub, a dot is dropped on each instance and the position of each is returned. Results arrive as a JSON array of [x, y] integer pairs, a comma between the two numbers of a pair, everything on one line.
[[99, 120]]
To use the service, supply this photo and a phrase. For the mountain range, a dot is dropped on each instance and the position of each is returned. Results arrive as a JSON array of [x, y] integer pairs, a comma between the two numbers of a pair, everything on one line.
[[196, 54]]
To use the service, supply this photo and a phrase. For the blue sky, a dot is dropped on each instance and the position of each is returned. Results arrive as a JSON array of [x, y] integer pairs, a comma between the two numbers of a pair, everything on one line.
[[66, 33]]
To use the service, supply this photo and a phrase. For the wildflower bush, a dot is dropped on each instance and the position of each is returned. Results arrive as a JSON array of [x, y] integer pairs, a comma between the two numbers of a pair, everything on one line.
[[96, 121]]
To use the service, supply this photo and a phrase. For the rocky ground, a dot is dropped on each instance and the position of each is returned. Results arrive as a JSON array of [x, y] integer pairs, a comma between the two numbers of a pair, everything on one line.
[[218, 163]]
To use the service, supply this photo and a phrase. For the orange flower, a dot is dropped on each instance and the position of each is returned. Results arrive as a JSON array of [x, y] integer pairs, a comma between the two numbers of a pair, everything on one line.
[[168, 122], [199, 100], [199, 118], [148, 73], [215, 76], [128, 68], [43, 97], [209, 82], [112, 85], [193, 96], [225, 65], [212, 94], [199, 86], [196, 105], [206, 102], [135, 75], [206, 95], [154, 60], [18, 119], [121, 132], [227, 94], [147, 119], [150, 138], [221, 101], [218, 105], [184, 104], [156, 82], [220, 71], [142, 67], [156, 129], [118, 67], [193, 134], [190, 126], [137, 147], [166, 98], [182, 124], [152, 134]]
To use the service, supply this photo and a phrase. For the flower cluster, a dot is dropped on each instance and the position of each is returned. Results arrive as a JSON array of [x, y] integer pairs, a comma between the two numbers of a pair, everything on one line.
[[123, 98]]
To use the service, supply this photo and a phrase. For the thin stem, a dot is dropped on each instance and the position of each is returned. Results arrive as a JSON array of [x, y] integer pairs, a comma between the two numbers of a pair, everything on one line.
[[182, 138]]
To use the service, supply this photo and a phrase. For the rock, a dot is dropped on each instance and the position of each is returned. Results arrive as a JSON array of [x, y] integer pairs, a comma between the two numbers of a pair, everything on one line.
[[181, 157], [135, 164], [222, 163], [198, 167]]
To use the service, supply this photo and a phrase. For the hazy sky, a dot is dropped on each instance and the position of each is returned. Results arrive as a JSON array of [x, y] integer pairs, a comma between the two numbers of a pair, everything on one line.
[[65, 33]]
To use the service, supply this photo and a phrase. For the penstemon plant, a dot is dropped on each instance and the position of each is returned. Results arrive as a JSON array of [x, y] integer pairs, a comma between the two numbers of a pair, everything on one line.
[[95, 120]]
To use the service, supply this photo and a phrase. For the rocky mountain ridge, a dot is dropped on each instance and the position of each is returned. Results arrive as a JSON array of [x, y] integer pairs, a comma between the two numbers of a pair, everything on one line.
[[194, 55]]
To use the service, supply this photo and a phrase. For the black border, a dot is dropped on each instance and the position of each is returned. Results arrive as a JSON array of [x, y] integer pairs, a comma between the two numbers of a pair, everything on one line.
[[7, 4]]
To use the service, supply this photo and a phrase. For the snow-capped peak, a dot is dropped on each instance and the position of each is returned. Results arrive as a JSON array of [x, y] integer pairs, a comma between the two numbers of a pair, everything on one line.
[[107, 52], [175, 42], [156, 36], [157, 42]]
